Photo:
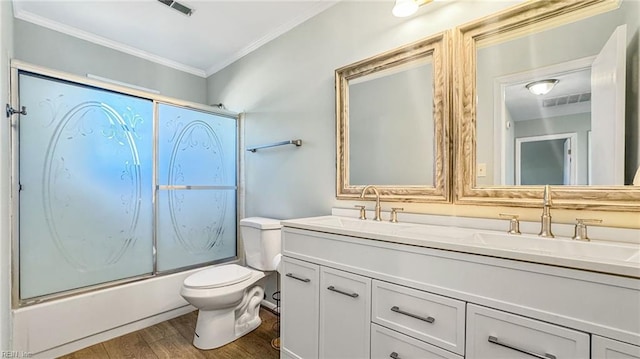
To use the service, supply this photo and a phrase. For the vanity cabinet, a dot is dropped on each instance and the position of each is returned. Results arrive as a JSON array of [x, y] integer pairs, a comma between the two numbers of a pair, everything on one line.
[[605, 348], [420, 302]]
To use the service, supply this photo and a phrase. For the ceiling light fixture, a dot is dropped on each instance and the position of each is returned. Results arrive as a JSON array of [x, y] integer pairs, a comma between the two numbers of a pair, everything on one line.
[[404, 8], [541, 87]]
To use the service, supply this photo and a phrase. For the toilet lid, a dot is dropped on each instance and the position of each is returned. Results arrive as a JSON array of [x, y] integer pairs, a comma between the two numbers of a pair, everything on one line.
[[218, 276]]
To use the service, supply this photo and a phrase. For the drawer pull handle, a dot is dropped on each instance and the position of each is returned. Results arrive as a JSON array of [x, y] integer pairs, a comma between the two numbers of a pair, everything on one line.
[[394, 355], [495, 340], [427, 319], [334, 289], [291, 275]]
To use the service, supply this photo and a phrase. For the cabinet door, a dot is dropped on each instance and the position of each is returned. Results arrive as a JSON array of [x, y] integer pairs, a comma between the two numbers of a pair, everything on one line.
[[345, 314], [299, 312], [605, 348], [494, 334]]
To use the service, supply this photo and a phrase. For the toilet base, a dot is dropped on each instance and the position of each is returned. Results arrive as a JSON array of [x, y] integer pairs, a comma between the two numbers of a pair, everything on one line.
[[216, 328]]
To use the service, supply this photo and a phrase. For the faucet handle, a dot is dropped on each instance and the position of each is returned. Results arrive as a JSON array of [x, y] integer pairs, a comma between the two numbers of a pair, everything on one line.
[[580, 231], [394, 214], [363, 211], [514, 224]]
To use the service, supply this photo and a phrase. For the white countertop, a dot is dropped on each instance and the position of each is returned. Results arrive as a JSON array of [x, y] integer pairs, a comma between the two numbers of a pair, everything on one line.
[[598, 256]]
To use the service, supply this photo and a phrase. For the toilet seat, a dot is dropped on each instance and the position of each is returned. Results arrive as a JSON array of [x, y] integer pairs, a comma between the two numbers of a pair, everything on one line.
[[216, 277]]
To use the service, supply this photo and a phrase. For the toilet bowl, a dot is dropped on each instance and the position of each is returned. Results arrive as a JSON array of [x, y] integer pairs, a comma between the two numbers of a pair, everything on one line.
[[228, 296]]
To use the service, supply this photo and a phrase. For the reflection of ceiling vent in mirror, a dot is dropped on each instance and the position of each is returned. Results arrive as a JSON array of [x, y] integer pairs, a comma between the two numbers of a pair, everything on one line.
[[567, 100], [177, 6]]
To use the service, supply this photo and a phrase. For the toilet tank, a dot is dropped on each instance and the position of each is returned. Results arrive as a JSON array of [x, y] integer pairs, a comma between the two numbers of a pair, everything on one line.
[[261, 240]]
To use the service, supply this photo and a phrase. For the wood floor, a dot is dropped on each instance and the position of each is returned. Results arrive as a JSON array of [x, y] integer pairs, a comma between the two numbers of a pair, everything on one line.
[[173, 338]]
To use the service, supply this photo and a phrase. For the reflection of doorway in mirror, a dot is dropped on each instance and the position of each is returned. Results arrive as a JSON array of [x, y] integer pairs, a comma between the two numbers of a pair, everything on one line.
[[519, 113], [589, 95], [548, 159]]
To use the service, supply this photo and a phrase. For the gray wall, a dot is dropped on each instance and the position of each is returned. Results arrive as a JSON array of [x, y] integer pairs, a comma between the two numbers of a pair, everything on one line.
[[287, 89], [6, 52], [391, 129], [40, 46]]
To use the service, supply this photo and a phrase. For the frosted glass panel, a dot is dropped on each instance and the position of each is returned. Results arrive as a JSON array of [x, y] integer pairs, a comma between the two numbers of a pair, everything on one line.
[[195, 226], [195, 148], [86, 178]]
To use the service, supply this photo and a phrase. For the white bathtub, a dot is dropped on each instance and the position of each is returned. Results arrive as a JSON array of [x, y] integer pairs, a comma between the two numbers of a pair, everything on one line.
[[62, 326]]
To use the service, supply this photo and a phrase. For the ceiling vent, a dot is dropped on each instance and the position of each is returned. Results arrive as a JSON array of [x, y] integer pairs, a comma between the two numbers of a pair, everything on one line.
[[567, 100], [178, 6]]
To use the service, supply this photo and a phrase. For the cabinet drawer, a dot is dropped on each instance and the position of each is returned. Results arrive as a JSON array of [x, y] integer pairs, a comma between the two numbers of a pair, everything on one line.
[[345, 315], [493, 334], [432, 318], [385, 342], [299, 314], [605, 348]]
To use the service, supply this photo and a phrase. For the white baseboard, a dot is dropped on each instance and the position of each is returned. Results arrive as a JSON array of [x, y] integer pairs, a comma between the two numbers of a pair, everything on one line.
[[267, 304]]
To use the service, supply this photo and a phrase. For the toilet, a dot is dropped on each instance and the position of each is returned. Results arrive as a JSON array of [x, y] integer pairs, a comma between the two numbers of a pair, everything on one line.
[[228, 297]]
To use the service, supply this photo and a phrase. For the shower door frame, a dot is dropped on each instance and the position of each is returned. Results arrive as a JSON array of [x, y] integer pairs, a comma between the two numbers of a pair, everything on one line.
[[14, 204]]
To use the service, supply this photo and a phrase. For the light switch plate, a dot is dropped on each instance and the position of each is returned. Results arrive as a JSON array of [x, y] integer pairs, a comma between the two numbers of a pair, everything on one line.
[[481, 170]]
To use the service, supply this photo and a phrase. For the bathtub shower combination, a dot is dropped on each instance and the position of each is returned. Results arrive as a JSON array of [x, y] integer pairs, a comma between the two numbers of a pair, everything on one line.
[[114, 187]]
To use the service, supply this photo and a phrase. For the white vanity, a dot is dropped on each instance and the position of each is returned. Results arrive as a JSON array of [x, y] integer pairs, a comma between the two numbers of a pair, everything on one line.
[[363, 289]]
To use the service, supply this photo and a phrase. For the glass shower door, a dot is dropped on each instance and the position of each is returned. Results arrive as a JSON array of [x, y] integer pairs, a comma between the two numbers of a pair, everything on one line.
[[85, 196], [196, 198]]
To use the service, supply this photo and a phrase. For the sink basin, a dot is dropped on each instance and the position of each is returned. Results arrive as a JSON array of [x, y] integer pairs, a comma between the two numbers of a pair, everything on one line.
[[408, 230], [558, 247], [354, 224], [439, 233]]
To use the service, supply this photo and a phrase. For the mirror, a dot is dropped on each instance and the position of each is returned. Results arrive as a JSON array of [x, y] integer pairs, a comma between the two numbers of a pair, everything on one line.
[[578, 133], [392, 114]]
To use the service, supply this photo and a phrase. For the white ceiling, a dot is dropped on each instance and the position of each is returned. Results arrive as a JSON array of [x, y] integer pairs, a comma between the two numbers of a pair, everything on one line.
[[214, 36]]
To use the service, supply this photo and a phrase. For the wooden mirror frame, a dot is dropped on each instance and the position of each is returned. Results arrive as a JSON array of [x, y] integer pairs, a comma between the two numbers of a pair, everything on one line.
[[438, 47], [508, 24]]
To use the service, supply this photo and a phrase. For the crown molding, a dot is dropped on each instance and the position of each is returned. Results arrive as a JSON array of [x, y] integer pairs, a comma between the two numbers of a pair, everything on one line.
[[20, 13]]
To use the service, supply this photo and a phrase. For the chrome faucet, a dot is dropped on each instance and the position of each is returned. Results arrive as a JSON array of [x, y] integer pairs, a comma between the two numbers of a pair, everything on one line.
[[545, 229], [378, 208]]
